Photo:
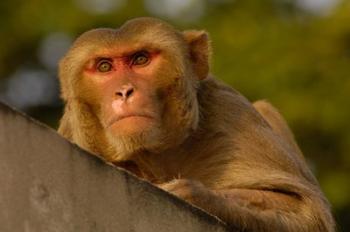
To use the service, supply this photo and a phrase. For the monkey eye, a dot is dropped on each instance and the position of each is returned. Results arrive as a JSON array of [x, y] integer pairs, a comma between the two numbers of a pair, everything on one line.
[[104, 66], [140, 58]]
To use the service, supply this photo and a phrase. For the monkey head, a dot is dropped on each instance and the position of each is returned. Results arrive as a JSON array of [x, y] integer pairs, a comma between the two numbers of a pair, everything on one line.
[[133, 89]]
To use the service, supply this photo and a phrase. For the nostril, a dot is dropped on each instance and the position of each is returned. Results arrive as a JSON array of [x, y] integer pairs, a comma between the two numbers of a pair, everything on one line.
[[125, 92], [129, 92], [119, 94]]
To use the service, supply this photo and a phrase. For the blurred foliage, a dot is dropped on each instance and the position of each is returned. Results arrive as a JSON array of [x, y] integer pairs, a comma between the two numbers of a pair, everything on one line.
[[276, 50]]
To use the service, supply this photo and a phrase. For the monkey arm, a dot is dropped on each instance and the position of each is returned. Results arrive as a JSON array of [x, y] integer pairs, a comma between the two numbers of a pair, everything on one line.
[[261, 208], [254, 209]]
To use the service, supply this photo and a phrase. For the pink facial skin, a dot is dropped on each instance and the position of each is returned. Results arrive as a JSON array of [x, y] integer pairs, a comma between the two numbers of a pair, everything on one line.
[[127, 83]]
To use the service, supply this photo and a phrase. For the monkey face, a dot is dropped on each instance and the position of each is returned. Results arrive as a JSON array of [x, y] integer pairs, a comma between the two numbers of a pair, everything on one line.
[[126, 87], [139, 81], [125, 82]]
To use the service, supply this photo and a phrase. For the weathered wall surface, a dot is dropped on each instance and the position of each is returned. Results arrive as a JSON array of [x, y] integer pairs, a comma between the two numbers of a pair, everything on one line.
[[49, 185]]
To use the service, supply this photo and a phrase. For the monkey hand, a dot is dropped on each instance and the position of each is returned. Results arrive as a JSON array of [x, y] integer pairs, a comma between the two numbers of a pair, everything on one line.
[[189, 190]]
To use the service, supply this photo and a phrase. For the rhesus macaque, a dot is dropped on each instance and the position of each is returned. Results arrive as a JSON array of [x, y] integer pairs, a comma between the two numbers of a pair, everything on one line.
[[141, 97]]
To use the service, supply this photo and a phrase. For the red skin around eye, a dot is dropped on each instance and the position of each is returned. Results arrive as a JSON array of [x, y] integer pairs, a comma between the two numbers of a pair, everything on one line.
[[117, 62]]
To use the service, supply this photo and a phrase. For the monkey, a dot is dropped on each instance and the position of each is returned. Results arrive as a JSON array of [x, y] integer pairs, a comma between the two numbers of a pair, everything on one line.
[[142, 97]]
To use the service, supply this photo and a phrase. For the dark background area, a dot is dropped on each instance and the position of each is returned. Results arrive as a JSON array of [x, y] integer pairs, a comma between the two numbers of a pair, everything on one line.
[[294, 53]]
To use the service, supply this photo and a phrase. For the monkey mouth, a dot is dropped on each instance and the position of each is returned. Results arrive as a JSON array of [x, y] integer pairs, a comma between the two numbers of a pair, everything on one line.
[[125, 116]]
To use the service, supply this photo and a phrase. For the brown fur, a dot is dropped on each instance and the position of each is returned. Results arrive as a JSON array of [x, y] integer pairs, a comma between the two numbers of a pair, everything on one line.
[[214, 149]]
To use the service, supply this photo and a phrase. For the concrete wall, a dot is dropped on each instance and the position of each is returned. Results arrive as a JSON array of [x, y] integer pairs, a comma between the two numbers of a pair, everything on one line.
[[50, 185]]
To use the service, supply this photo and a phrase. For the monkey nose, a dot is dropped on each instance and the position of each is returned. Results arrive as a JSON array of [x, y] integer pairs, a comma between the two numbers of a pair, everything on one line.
[[125, 92]]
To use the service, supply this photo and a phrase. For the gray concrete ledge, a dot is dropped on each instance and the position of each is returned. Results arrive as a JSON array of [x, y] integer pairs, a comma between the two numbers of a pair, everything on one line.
[[48, 184]]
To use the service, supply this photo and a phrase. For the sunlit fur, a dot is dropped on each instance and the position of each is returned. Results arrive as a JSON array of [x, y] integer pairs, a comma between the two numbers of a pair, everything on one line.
[[212, 147]]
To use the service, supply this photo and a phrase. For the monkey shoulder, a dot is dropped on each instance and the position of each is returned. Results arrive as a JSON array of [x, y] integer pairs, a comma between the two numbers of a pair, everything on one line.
[[235, 125], [222, 104]]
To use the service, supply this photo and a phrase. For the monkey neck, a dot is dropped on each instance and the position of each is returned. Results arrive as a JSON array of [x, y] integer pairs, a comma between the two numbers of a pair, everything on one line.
[[173, 163], [141, 166]]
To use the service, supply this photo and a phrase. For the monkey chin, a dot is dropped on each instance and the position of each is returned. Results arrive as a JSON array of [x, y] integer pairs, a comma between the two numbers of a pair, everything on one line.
[[132, 125], [132, 135]]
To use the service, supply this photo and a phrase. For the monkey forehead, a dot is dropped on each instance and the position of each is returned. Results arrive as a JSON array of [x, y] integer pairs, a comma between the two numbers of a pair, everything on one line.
[[140, 31]]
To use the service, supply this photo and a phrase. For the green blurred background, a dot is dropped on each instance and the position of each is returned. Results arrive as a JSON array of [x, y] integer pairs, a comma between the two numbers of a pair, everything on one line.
[[295, 53]]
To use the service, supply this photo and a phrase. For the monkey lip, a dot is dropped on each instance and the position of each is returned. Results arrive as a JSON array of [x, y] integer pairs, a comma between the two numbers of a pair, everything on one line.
[[125, 116]]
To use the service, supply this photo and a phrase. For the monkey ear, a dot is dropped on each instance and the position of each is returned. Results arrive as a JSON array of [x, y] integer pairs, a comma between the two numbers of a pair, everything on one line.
[[199, 45]]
